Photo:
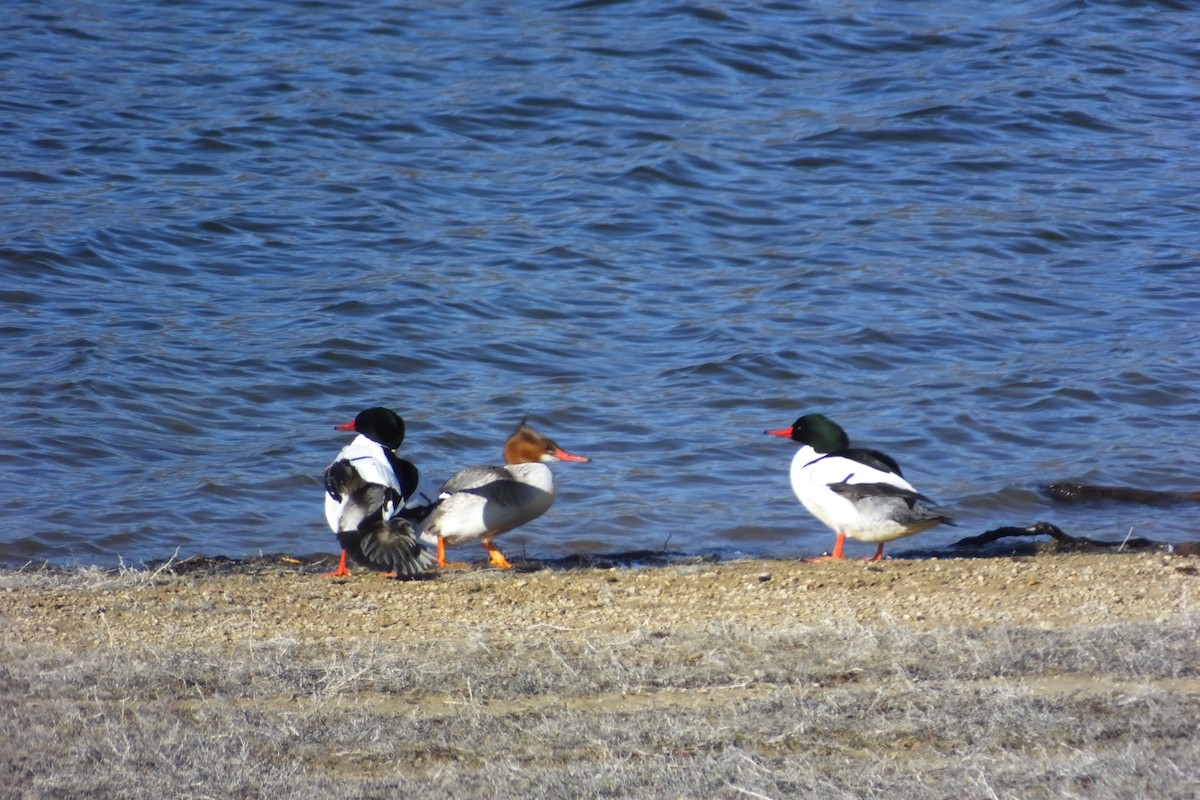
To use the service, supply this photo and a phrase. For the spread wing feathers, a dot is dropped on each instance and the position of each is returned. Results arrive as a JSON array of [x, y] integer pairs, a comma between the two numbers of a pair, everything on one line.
[[341, 478], [376, 536], [885, 500]]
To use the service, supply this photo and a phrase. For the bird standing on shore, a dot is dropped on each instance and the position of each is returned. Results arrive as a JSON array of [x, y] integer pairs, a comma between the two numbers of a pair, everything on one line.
[[480, 503], [366, 490], [858, 493]]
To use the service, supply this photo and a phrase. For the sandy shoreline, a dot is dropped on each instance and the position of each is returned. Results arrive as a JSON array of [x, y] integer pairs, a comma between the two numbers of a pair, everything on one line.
[[554, 674], [274, 596]]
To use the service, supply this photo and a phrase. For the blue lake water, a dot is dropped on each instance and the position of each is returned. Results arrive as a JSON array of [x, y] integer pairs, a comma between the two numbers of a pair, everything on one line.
[[970, 233]]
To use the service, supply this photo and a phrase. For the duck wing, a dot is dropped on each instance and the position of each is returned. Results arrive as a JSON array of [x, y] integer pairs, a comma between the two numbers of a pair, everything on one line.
[[376, 536], [888, 501]]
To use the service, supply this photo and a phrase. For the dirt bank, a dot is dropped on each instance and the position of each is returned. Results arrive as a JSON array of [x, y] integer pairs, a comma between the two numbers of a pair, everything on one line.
[[1041, 676]]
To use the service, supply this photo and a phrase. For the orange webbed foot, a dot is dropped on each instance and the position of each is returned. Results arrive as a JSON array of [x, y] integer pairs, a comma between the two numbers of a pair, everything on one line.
[[878, 555], [496, 557], [837, 553], [341, 571]]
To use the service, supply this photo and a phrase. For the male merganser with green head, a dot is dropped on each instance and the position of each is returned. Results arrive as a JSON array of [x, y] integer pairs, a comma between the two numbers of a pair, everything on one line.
[[858, 493]]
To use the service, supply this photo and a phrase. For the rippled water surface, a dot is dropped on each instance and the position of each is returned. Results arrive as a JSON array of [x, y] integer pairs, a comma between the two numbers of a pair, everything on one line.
[[970, 233]]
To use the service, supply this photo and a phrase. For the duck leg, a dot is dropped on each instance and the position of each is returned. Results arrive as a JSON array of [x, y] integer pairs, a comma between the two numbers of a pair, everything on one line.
[[441, 557], [341, 571], [497, 558], [837, 550]]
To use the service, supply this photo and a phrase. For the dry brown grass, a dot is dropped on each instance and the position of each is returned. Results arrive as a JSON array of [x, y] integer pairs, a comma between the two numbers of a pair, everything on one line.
[[710, 709]]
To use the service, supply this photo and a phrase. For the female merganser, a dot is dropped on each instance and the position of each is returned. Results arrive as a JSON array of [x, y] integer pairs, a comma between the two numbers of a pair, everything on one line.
[[366, 489], [859, 493], [480, 503]]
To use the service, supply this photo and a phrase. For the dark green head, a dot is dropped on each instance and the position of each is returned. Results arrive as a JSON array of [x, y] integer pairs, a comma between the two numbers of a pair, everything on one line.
[[818, 432]]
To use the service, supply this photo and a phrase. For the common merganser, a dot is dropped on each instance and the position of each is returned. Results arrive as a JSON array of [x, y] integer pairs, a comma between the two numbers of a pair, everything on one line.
[[366, 489], [480, 503], [858, 493]]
